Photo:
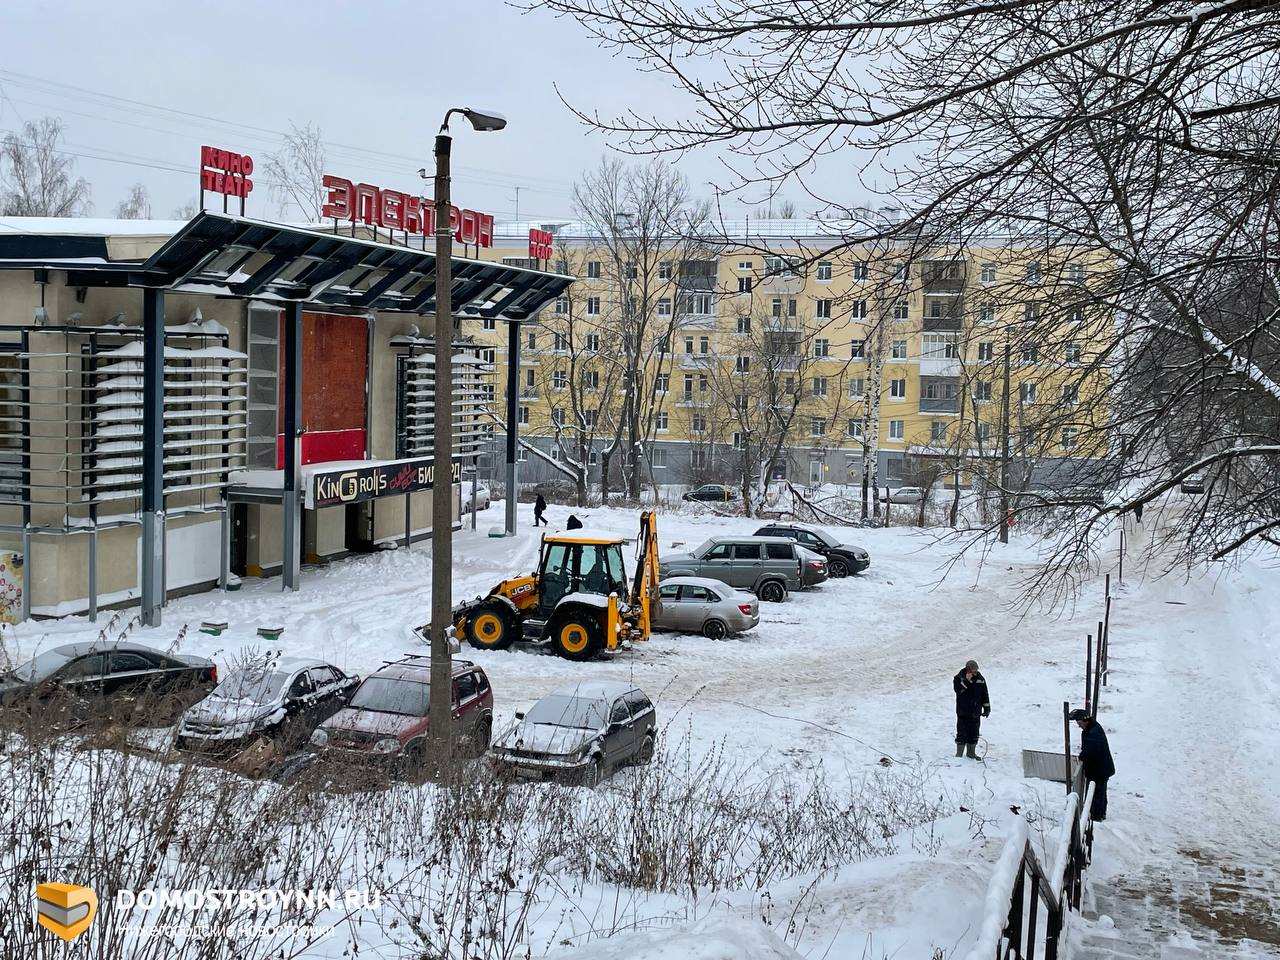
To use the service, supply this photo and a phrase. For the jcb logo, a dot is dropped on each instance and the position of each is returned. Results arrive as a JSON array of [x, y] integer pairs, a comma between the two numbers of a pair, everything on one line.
[[65, 909]]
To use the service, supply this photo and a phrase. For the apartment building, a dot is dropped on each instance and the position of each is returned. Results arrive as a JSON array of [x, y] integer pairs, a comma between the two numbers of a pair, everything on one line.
[[888, 353]]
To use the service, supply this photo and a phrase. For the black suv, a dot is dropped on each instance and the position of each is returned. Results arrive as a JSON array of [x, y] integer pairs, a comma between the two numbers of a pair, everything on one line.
[[843, 559]]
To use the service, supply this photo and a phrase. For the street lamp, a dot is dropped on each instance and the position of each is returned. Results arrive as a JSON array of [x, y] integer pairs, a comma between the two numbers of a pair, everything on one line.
[[440, 718]]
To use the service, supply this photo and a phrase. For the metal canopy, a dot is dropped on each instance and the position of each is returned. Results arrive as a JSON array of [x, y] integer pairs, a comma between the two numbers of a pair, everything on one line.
[[222, 254]]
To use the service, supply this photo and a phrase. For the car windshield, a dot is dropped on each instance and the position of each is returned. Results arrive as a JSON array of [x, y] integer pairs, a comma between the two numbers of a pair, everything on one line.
[[702, 550], [822, 535], [255, 684], [409, 698], [39, 667], [561, 711]]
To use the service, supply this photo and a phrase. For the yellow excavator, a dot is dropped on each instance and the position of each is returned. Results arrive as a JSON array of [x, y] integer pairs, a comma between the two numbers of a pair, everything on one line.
[[579, 600]]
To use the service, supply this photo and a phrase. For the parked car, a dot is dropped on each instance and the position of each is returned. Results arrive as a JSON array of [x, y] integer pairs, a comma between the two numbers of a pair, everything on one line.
[[386, 718], [580, 732], [842, 558], [813, 566], [94, 675], [705, 606], [902, 495], [281, 699], [1192, 483], [767, 566], [712, 493], [483, 496]]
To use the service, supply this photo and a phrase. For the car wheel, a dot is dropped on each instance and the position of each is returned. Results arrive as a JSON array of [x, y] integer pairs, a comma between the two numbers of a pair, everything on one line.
[[645, 753], [593, 775], [715, 630], [575, 637], [482, 737], [491, 627], [772, 591], [838, 569]]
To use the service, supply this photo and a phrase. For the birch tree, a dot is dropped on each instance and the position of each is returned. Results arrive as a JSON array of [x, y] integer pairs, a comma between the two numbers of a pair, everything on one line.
[[37, 177]]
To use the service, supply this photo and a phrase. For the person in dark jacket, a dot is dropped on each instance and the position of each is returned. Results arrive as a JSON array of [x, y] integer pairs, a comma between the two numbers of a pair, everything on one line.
[[574, 523], [539, 508], [1095, 757], [972, 704]]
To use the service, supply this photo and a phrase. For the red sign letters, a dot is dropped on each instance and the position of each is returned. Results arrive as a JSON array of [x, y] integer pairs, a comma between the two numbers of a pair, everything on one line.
[[540, 244], [222, 171], [401, 211]]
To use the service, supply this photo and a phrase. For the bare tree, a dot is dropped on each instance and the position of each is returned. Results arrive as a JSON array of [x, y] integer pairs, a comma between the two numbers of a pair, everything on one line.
[[296, 172], [187, 210], [37, 178], [136, 206]]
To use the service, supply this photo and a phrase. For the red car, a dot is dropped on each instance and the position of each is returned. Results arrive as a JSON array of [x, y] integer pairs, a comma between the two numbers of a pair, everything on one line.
[[386, 718]]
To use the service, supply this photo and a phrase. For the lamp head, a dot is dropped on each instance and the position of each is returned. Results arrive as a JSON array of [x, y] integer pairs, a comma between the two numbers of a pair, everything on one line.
[[482, 120]]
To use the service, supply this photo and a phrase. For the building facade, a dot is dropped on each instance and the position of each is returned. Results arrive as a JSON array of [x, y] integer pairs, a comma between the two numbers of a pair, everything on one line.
[[788, 351]]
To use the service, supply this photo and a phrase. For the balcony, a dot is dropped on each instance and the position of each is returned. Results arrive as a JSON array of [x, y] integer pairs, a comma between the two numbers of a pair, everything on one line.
[[942, 277], [697, 361], [943, 313], [783, 361], [939, 394], [783, 283], [697, 321], [939, 406], [939, 367]]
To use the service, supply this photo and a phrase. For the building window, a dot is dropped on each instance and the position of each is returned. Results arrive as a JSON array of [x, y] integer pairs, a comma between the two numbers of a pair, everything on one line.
[[988, 273], [589, 416], [490, 323], [987, 313], [1073, 353], [593, 306], [937, 431], [264, 388], [688, 345], [821, 347], [559, 380], [1075, 272], [854, 429], [531, 341], [739, 441], [1030, 354], [658, 458], [664, 270], [699, 424], [699, 458], [664, 306], [704, 345], [824, 270], [703, 383], [897, 429], [776, 306], [898, 389], [562, 305], [819, 385], [1030, 313], [899, 350], [744, 324], [522, 455], [934, 346], [791, 307], [858, 310], [593, 343], [1027, 391], [744, 264], [1069, 438], [1033, 272], [593, 269], [557, 416], [662, 383], [901, 310], [982, 391], [744, 284], [663, 421], [986, 350], [742, 364], [629, 271], [560, 343], [858, 349], [822, 309], [1070, 392], [900, 272], [984, 433], [530, 380], [860, 270], [857, 385], [591, 379], [817, 427], [523, 416]]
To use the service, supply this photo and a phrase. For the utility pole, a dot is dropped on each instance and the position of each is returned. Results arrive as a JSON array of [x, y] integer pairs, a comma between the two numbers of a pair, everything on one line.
[[1004, 451]]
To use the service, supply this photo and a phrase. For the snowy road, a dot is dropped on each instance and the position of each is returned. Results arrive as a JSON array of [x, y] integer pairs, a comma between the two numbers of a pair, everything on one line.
[[861, 668]]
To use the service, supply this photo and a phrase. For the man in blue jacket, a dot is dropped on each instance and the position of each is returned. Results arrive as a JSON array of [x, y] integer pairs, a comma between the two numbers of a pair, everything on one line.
[[972, 704], [1095, 757]]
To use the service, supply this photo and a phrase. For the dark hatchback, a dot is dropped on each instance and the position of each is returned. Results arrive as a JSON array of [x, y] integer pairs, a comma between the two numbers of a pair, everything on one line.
[[843, 559], [93, 676], [282, 700]]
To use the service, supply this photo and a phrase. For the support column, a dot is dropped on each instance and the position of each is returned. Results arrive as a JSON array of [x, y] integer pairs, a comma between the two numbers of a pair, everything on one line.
[[513, 420], [151, 575], [224, 545], [292, 552]]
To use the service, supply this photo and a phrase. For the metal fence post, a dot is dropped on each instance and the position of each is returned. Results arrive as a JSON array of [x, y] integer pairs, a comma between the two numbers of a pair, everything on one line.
[[1066, 741], [1088, 672]]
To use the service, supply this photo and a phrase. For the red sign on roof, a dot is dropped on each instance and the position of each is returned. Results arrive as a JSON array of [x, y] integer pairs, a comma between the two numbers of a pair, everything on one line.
[[540, 244], [401, 211], [222, 171]]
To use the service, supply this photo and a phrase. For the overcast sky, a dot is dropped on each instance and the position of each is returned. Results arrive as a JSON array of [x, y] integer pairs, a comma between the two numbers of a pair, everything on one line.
[[374, 76]]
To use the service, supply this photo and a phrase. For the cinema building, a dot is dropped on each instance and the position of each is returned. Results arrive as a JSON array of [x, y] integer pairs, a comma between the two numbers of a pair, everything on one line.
[[185, 402]]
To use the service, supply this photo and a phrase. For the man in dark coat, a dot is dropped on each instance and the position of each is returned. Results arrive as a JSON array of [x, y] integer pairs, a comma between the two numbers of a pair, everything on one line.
[[539, 508], [574, 523], [1095, 757], [972, 705]]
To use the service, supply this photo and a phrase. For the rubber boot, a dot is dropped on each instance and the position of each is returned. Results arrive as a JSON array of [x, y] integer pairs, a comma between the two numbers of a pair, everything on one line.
[[959, 749], [970, 751]]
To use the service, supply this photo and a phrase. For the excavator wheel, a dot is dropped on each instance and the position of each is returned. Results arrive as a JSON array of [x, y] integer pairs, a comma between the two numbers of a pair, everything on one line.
[[491, 627], [576, 636]]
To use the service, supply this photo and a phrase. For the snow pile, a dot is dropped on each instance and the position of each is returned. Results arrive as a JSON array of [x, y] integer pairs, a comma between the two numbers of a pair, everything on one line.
[[712, 938]]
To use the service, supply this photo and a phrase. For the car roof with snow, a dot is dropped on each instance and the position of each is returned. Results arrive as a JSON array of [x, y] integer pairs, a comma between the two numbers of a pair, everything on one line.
[[747, 538], [98, 646], [594, 690], [716, 585]]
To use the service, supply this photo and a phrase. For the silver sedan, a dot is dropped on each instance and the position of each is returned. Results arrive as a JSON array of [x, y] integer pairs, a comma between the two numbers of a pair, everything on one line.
[[702, 605]]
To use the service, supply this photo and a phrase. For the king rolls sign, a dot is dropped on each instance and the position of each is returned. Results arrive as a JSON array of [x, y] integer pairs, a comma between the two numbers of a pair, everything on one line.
[[353, 485]]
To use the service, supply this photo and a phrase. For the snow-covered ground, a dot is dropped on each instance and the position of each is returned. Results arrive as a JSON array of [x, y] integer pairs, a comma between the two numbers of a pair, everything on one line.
[[855, 675]]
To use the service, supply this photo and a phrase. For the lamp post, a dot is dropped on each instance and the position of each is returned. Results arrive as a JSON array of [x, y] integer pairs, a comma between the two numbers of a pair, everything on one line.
[[440, 712]]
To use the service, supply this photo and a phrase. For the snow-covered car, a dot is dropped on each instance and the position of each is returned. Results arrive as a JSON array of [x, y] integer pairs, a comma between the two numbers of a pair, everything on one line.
[[903, 495], [281, 699], [702, 605], [387, 717], [483, 496], [1192, 483], [843, 559], [813, 566], [579, 733], [712, 493]]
